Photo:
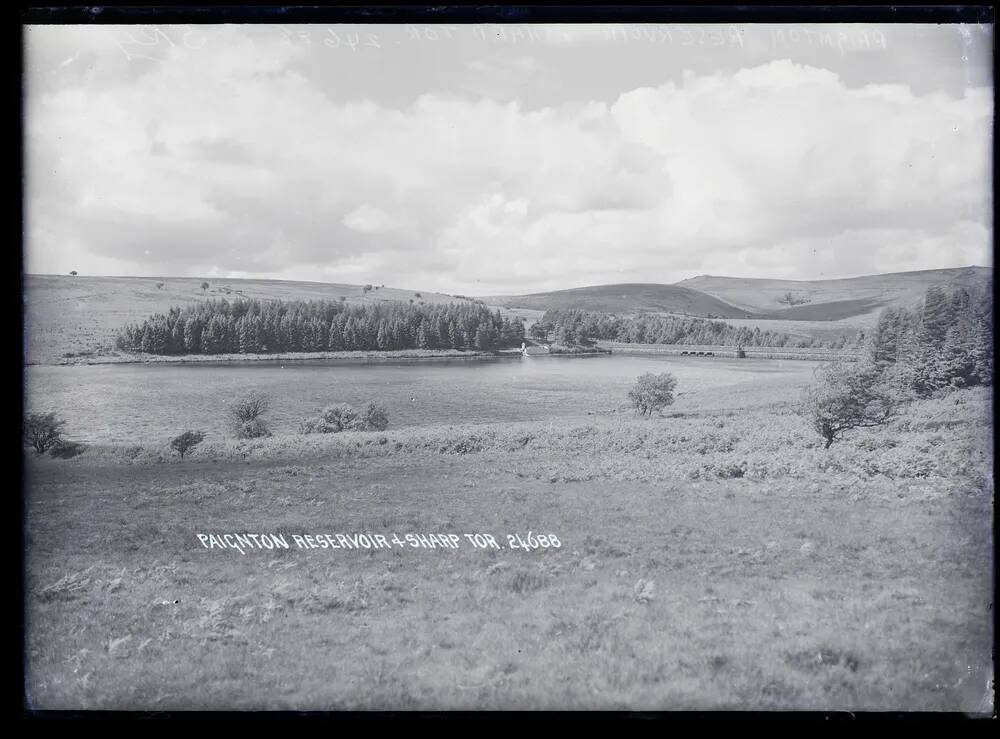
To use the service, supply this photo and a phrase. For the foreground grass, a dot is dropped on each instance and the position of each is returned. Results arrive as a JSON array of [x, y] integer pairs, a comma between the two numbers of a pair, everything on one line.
[[709, 561]]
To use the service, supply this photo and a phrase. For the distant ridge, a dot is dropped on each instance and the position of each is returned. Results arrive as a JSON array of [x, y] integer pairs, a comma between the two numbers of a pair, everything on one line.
[[836, 298], [711, 296], [627, 298]]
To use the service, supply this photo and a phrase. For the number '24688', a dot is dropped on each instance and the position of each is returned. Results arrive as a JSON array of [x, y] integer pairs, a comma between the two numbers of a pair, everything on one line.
[[533, 541]]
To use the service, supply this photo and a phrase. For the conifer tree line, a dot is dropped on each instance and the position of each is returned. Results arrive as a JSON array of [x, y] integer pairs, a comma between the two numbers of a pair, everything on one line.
[[570, 326], [268, 326], [945, 341]]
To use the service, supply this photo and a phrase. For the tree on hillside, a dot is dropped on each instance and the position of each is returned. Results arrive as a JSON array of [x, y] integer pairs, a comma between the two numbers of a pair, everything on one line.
[[652, 392], [73, 272], [204, 286], [790, 299], [848, 395], [883, 344], [186, 442], [981, 350], [935, 317]]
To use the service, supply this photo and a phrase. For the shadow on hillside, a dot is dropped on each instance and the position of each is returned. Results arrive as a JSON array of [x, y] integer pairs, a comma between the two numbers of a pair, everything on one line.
[[68, 450]]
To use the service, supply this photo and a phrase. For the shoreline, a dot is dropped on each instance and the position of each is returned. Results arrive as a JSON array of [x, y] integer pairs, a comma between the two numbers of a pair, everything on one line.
[[422, 354], [605, 348], [278, 357]]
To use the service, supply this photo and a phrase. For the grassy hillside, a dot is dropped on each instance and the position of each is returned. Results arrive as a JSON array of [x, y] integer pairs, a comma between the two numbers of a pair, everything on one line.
[[626, 298], [707, 560], [65, 314], [832, 299]]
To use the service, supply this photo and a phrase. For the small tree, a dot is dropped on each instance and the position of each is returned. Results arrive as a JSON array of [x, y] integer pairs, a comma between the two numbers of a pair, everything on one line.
[[245, 416], [159, 285], [652, 392], [375, 417], [204, 286], [339, 418], [185, 442], [73, 272], [43, 431], [847, 396]]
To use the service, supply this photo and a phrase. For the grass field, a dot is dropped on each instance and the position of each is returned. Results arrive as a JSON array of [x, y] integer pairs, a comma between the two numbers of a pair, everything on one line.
[[709, 559], [153, 403]]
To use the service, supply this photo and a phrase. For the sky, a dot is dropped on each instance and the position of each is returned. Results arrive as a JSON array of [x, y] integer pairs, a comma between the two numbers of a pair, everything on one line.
[[506, 159]]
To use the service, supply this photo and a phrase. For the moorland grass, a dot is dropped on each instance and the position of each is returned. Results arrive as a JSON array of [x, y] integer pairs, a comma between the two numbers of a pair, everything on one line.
[[709, 560]]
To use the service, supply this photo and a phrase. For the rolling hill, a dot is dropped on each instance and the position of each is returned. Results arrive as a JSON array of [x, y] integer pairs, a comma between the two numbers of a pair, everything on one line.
[[755, 299], [66, 314], [629, 298], [830, 300]]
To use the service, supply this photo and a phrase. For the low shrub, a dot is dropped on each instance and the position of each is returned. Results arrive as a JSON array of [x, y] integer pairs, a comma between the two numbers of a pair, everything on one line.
[[187, 441], [374, 417], [336, 418], [254, 429], [729, 470], [43, 431], [245, 416]]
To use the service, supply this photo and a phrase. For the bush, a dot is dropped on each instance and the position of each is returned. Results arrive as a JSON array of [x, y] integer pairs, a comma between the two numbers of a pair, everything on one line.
[[254, 429], [43, 431], [337, 418], [332, 420], [375, 417], [847, 396], [652, 392], [312, 425], [245, 416], [186, 442], [340, 417]]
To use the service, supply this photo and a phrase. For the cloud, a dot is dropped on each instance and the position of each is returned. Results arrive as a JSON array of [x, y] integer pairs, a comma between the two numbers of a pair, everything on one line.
[[227, 158], [371, 220]]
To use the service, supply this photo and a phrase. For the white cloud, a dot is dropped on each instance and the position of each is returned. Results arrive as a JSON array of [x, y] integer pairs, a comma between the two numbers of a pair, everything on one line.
[[224, 159], [371, 220]]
